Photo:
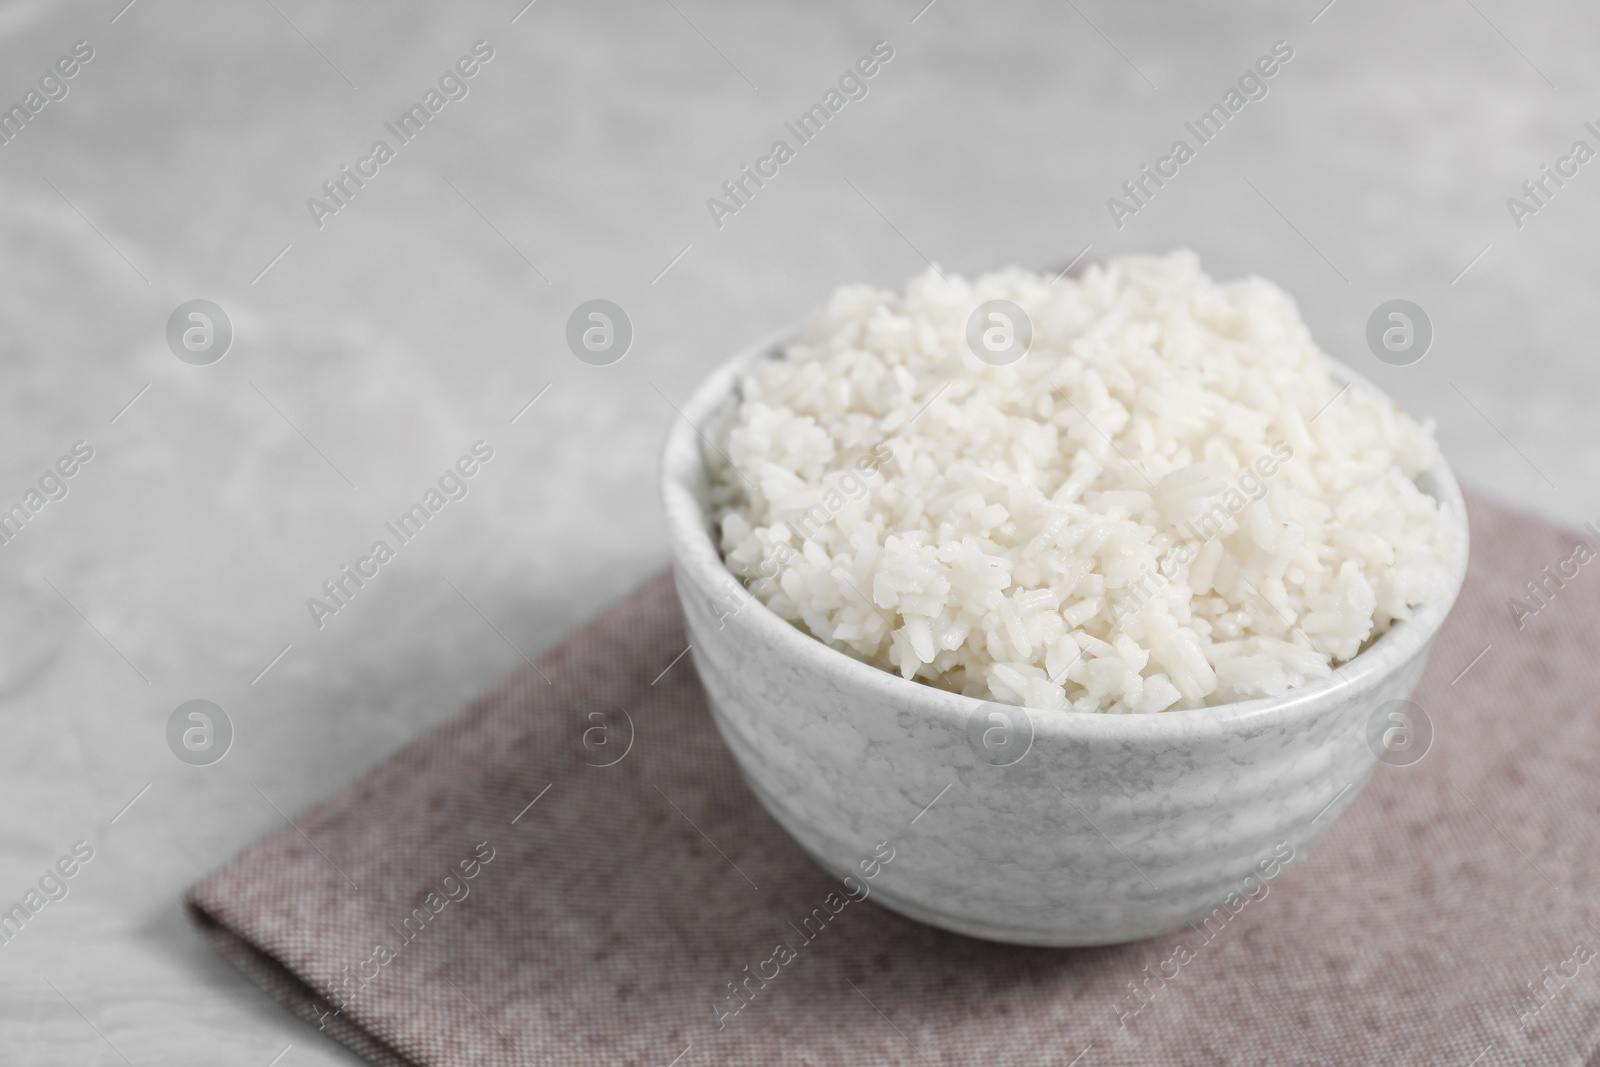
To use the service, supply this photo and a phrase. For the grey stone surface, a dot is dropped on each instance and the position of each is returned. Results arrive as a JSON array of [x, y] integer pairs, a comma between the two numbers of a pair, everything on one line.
[[424, 315]]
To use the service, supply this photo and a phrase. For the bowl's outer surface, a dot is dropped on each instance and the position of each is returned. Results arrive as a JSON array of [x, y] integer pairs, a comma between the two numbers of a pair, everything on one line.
[[1109, 829]]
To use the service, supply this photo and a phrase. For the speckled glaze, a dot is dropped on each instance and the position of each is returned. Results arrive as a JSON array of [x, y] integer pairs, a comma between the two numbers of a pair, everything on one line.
[[1110, 828]]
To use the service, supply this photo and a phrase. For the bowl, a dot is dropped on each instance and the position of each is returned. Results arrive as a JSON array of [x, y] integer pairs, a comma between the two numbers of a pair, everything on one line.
[[1106, 828]]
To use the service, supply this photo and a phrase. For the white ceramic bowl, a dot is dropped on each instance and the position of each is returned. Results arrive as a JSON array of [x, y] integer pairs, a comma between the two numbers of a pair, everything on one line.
[[1110, 828]]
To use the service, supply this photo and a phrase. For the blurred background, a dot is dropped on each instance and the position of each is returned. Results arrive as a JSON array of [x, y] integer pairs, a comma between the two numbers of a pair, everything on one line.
[[370, 352]]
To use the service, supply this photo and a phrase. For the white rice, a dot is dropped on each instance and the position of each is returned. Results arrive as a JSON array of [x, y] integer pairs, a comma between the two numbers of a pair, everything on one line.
[[1166, 503]]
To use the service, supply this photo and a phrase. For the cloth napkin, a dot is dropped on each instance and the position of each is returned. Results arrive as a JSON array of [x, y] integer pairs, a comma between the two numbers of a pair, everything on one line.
[[571, 871]]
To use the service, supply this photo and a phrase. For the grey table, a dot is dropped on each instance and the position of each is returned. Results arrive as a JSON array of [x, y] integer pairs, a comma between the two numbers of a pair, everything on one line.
[[374, 345]]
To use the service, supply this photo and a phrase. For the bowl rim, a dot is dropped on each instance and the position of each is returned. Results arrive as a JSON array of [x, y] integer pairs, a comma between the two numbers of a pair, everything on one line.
[[693, 550]]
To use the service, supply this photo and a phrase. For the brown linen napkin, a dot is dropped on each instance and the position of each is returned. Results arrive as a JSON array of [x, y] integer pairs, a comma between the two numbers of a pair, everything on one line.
[[427, 914]]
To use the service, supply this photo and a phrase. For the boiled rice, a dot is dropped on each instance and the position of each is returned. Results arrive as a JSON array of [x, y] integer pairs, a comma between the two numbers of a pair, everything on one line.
[[1094, 526]]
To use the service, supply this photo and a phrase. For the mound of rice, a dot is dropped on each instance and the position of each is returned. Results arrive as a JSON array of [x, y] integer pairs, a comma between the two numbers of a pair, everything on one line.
[[1167, 503]]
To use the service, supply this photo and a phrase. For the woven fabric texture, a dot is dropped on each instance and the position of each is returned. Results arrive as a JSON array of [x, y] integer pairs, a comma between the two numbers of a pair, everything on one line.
[[509, 889]]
